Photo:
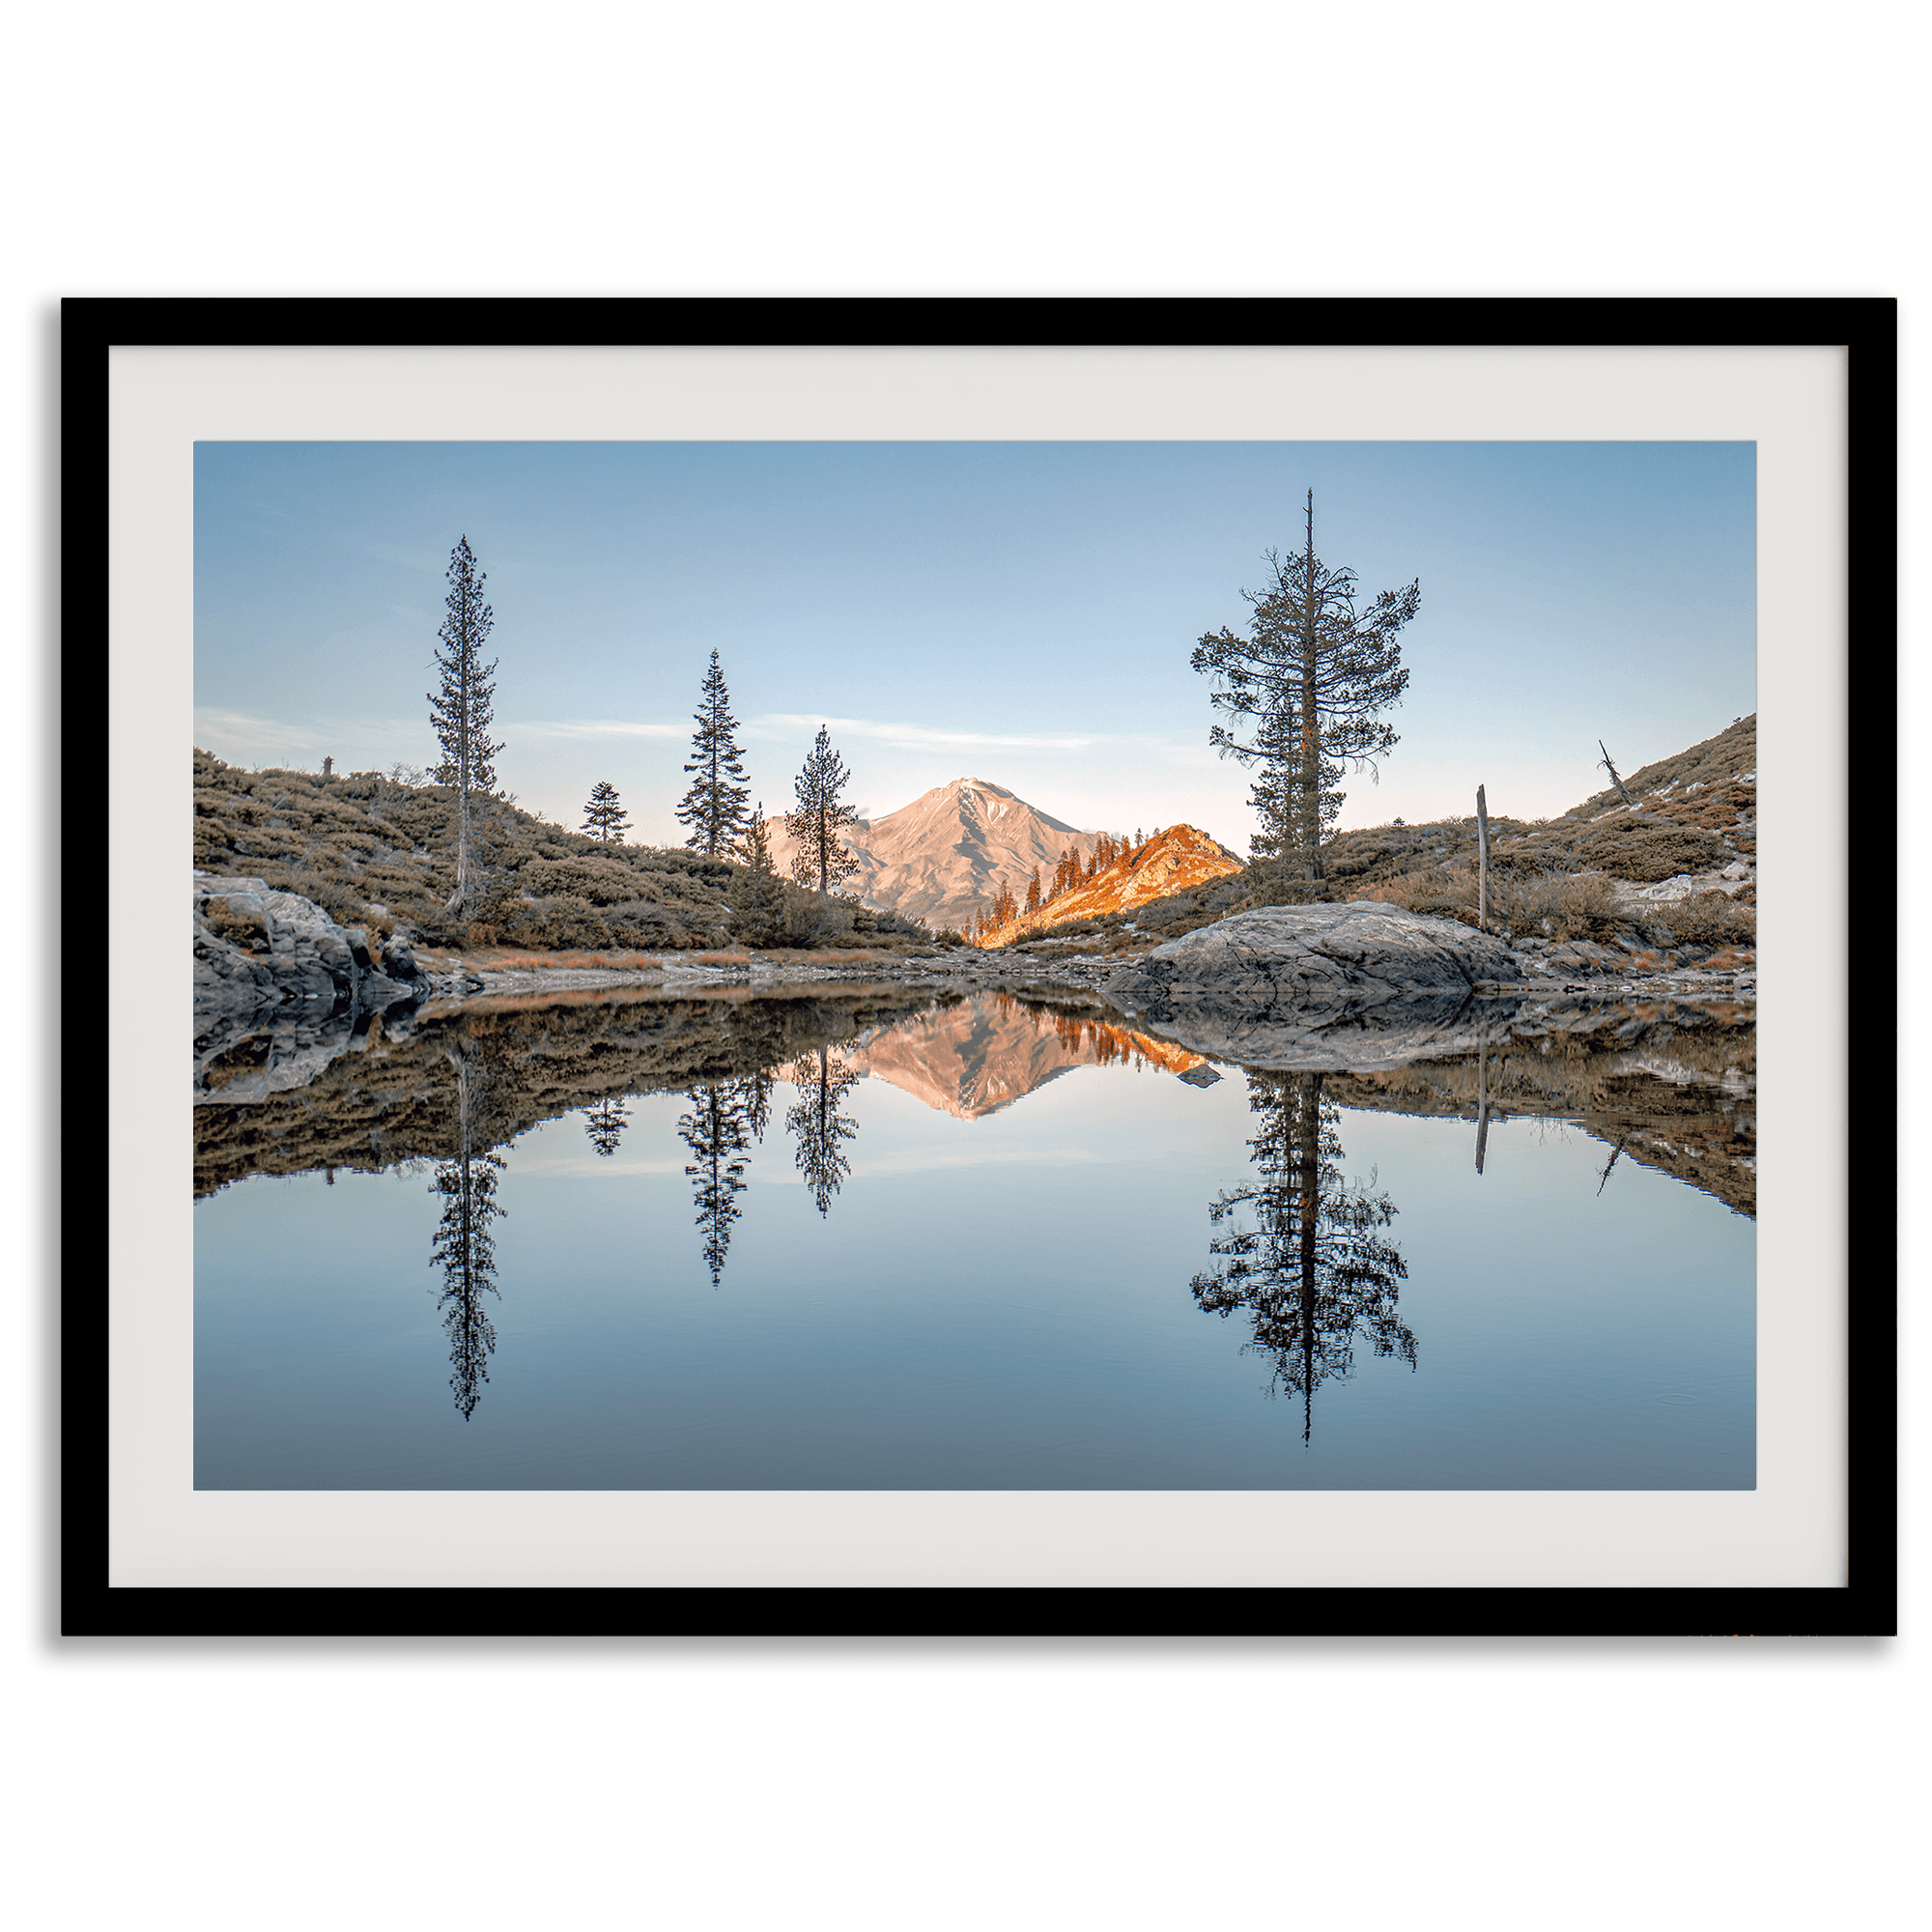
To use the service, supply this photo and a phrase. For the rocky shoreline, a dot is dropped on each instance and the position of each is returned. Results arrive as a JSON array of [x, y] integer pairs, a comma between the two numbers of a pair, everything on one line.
[[280, 990]]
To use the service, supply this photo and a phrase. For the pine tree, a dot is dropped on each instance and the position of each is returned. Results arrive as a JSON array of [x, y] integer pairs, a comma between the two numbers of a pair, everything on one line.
[[604, 817], [1307, 682], [821, 857], [462, 710], [1032, 891], [756, 893], [713, 808]]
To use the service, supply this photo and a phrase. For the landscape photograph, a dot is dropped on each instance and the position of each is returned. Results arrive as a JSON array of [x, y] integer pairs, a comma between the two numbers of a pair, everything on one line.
[[986, 966]]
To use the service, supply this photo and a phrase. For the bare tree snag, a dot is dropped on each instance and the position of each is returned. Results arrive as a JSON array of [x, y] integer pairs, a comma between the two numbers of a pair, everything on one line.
[[1482, 863]]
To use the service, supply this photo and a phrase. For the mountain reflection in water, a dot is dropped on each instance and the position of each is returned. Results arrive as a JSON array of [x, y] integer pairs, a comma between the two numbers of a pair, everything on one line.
[[1302, 1255]]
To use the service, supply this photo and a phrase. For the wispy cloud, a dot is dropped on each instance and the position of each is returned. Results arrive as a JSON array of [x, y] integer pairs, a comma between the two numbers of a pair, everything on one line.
[[239, 727], [247, 733], [914, 737], [598, 728]]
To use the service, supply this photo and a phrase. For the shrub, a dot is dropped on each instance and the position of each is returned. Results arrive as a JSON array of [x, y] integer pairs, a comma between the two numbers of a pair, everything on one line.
[[598, 882], [1710, 918], [1645, 854]]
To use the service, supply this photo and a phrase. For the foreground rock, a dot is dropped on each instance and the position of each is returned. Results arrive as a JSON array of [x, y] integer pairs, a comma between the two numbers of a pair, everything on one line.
[[1357, 985], [278, 985]]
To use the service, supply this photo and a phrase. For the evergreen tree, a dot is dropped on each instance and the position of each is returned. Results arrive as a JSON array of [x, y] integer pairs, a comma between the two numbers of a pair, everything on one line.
[[822, 857], [1314, 1271], [713, 808], [604, 817], [1032, 891], [462, 710], [756, 893], [819, 1128], [1307, 685]]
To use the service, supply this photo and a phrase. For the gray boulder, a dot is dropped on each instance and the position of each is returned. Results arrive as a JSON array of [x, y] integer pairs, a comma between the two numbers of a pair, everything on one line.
[[260, 953], [1360, 986]]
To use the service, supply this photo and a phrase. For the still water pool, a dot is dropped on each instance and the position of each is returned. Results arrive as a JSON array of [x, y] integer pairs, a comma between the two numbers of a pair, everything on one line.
[[976, 1248]]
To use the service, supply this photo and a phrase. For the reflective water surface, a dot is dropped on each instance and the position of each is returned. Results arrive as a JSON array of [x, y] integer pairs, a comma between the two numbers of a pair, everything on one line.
[[869, 1240]]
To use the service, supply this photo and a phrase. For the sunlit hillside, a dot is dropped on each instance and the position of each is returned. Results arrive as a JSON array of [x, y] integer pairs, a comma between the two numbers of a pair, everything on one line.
[[1171, 861]]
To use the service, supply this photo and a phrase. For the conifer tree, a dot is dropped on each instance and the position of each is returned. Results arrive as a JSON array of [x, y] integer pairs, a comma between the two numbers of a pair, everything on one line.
[[756, 893], [461, 711], [1307, 686], [713, 808], [822, 857], [604, 817], [1032, 891]]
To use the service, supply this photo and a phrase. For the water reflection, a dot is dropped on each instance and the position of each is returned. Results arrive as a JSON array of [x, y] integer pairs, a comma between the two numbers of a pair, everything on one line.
[[725, 1119], [605, 1123], [1311, 1271], [816, 1125], [465, 1250], [1302, 1253]]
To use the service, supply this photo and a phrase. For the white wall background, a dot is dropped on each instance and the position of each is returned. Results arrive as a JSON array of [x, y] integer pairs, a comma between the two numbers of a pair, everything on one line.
[[866, 148]]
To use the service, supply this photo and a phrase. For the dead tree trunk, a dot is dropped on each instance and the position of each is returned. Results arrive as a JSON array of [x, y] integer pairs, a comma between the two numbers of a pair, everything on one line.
[[1482, 863]]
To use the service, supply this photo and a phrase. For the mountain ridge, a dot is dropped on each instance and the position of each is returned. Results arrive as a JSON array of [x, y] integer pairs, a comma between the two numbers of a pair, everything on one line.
[[944, 857]]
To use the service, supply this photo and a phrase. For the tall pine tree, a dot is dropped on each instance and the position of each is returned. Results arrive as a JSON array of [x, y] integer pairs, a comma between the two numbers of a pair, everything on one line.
[[822, 857], [1306, 685], [460, 710], [713, 808]]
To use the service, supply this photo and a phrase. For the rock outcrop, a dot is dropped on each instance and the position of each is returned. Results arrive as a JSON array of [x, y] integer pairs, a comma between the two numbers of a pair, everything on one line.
[[279, 986], [1361, 986]]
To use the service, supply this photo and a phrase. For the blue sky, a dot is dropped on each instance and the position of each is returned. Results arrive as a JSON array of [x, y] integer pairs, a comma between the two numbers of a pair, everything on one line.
[[1020, 611]]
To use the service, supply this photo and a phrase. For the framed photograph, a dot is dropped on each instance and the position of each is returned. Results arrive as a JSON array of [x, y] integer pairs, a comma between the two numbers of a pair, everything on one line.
[[986, 967]]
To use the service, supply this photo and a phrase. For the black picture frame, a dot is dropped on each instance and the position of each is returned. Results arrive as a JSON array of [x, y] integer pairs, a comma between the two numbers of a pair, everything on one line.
[[1864, 1605]]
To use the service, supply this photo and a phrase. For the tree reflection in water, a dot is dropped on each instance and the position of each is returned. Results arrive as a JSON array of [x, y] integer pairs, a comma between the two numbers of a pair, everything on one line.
[[817, 1126], [1313, 1272], [725, 1119], [467, 1255], [605, 1123]]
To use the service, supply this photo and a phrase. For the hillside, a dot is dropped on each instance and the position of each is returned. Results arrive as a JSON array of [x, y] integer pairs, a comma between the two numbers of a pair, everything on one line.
[[942, 858], [378, 853], [1582, 876], [1172, 861]]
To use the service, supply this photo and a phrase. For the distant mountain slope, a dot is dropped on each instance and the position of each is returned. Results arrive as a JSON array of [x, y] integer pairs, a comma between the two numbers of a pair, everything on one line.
[[944, 857], [1171, 861]]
